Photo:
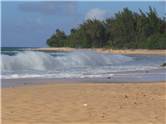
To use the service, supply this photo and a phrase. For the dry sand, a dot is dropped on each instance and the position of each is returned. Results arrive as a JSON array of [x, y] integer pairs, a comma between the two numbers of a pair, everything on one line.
[[102, 50], [52, 49], [134, 51], [141, 103]]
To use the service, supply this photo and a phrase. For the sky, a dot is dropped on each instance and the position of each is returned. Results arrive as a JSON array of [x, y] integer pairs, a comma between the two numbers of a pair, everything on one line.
[[31, 23]]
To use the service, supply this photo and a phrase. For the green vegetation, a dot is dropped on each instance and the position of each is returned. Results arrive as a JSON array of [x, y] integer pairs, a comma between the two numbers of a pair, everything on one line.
[[126, 30], [163, 65]]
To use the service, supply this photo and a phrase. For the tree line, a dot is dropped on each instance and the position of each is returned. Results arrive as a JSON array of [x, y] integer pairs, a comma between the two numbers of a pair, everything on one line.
[[125, 30]]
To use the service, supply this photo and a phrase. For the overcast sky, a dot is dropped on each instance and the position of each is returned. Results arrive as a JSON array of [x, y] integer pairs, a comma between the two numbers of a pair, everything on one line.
[[30, 24]]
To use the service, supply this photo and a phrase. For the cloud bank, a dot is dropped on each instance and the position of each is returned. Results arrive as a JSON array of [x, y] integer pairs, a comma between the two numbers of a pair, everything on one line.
[[96, 13]]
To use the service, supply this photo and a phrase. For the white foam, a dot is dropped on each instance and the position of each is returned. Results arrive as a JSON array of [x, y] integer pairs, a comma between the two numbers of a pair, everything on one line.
[[30, 60], [78, 64]]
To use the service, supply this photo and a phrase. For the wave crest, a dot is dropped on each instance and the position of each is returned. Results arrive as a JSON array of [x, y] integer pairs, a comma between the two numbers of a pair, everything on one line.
[[32, 60]]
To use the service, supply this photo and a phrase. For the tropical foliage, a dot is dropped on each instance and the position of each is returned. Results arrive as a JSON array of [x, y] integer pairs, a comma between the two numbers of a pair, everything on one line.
[[126, 30]]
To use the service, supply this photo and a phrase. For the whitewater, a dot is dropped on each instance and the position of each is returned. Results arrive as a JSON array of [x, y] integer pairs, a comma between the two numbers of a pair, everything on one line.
[[77, 64]]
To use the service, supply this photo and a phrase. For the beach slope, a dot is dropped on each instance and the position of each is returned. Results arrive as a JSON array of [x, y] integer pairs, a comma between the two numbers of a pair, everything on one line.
[[104, 50], [89, 103]]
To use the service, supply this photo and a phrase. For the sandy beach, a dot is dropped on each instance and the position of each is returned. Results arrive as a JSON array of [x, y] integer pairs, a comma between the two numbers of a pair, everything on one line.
[[103, 50], [134, 51], [89, 103], [83, 62]]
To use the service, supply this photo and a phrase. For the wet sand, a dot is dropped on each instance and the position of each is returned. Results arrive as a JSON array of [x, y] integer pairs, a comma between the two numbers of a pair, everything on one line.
[[103, 50], [89, 103]]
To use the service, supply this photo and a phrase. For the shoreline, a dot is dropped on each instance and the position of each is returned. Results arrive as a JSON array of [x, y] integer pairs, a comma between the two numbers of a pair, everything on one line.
[[104, 50], [21, 82], [141, 76], [100, 103]]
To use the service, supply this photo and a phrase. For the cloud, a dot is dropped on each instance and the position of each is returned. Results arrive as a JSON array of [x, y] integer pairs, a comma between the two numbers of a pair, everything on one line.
[[96, 13], [49, 8]]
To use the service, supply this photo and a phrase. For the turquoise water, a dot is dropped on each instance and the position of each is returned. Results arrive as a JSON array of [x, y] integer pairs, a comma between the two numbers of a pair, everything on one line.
[[20, 63]]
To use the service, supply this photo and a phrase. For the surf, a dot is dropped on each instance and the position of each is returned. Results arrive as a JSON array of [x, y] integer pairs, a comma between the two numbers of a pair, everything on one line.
[[33, 60], [17, 64]]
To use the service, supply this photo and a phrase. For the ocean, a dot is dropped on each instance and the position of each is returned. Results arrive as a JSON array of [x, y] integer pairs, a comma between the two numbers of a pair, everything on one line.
[[24, 63]]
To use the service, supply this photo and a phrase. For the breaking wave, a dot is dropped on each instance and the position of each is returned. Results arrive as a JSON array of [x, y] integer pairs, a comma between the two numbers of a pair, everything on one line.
[[32, 60]]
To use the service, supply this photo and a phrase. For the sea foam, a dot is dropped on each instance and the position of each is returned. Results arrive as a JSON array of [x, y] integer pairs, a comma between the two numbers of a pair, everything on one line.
[[32, 60]]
